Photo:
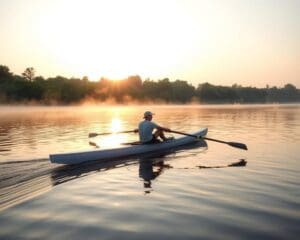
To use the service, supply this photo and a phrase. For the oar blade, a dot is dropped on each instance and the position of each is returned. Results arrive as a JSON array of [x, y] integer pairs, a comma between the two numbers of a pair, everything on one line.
[[93, 135], [238, 145], [94, 144]]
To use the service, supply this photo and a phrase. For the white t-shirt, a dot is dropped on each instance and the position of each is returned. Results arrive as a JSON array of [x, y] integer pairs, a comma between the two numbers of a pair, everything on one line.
[[145, 130]]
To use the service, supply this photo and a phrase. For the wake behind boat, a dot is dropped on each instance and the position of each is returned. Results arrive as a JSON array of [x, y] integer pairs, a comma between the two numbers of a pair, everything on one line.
[[126, 151]]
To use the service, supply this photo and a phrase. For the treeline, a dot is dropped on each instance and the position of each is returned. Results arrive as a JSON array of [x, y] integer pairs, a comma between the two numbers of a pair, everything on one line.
[[61, 90]]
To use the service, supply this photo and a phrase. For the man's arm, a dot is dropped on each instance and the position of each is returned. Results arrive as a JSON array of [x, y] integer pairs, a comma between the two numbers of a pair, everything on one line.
[[158, 127], [163, 128]]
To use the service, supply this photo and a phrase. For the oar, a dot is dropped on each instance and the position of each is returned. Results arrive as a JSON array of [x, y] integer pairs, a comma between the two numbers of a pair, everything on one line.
[[94, 144], [232, 144], [97, 134]]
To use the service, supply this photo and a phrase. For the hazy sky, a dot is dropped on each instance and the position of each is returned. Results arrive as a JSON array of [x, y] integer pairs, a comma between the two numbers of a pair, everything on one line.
[[249, 42]]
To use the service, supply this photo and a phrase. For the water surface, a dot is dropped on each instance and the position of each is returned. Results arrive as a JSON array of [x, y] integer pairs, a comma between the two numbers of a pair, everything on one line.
[[165, 196]]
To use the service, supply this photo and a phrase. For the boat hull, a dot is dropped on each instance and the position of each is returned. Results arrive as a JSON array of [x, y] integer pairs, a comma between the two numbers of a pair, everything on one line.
[[108, 154]]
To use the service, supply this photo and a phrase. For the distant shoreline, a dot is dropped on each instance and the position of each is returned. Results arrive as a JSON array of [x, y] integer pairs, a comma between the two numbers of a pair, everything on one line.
[[36, 90], [149, 105]]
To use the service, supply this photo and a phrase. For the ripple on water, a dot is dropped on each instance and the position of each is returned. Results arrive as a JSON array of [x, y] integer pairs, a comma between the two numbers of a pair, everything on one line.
[[178, 200]]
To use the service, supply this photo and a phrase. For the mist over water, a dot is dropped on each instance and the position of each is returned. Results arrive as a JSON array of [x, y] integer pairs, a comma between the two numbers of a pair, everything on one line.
[[161, 196]]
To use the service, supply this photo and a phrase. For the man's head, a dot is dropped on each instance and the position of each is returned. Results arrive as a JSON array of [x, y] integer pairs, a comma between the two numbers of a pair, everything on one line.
[[148, 115]]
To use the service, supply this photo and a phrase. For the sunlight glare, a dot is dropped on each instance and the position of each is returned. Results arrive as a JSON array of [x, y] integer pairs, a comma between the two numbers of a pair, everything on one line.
[[99, 39], [116, 125]]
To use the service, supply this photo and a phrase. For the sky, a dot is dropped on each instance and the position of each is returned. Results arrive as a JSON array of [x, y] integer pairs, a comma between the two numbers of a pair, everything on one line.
[[223, 42]]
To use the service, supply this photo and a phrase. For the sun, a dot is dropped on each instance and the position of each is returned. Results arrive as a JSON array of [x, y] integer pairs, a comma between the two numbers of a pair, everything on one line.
[[99, 39]]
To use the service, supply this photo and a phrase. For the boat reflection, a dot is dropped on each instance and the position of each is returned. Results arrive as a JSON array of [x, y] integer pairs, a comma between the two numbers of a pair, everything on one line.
[[151, 166]]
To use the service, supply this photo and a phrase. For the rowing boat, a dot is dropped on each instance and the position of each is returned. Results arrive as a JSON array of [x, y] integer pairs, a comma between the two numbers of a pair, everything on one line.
[[125, 151]]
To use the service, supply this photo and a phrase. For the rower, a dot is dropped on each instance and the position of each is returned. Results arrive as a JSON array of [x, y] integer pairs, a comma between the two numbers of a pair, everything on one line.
[[146, 128]]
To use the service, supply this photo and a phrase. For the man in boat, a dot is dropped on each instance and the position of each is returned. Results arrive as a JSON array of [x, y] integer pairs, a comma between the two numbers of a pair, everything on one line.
[[146, 127]]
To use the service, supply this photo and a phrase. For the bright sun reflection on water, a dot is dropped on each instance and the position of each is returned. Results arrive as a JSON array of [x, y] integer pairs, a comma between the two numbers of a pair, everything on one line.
[[116, 125], [115, 139]]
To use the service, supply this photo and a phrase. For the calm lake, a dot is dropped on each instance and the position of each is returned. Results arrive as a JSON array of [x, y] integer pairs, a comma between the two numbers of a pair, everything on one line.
[[186, 194]]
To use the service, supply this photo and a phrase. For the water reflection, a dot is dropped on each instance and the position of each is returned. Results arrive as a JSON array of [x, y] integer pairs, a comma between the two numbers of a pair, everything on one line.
[[21, 180], [67, 173], [112, 136], [149, 170], [33, 177], [247, 203], [240, 163], [116, 125], [151, 165], [35, 132]]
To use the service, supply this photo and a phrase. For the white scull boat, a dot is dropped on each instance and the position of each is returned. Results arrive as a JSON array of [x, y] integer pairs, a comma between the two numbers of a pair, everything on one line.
[[126, 151]]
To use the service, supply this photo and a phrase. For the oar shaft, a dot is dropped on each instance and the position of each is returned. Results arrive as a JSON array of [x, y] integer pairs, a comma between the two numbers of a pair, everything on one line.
[[108, 133], [115, 132], [186, 134], [232, 144], [215, 140]]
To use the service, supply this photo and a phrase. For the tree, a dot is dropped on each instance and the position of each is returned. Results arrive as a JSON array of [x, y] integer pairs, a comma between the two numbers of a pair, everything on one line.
[[29, 74], [132, 85], [5, 74], [290, 88], [85, 79], [182, 92], [290, 92]]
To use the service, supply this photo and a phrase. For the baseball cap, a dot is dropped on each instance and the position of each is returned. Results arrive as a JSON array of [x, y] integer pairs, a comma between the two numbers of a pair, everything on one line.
[[148, 113]]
